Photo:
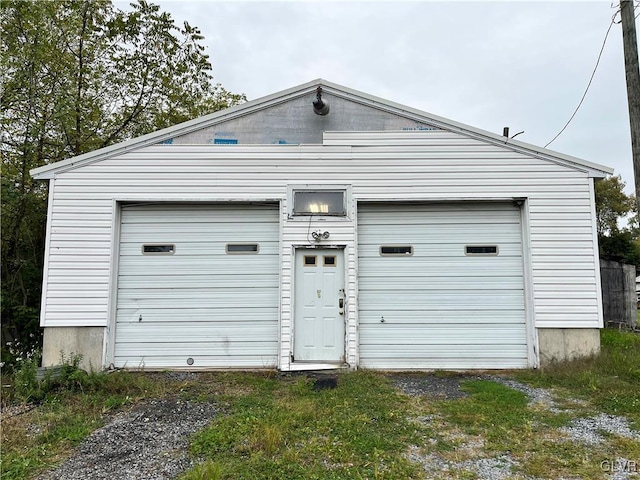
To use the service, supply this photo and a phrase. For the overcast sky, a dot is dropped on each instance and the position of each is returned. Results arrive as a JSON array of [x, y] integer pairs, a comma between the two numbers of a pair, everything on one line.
[[487, 64]]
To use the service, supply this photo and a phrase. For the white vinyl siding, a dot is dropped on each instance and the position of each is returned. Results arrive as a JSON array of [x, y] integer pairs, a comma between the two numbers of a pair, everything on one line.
[[435, 166], [199, 303], [78, 262], [441, 308], [565, 285]]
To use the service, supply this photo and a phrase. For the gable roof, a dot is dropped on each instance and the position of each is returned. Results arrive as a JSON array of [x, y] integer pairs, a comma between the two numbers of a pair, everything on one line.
[[50, 170]]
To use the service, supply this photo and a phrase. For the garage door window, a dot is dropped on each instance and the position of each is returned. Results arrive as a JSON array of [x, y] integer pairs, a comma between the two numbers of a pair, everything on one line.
[[396, 250], [242, 248], [481, 250], [158, 249]]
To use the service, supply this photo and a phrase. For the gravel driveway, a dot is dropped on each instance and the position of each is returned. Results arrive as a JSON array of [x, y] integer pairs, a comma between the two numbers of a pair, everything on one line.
[[148, 443]]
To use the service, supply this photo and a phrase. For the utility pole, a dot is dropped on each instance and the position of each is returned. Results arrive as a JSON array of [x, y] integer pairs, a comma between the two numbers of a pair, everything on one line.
[[632, 70]]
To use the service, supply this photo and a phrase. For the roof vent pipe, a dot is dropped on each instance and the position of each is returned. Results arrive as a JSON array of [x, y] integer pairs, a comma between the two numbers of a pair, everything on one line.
[[505, 132], [320, 107]]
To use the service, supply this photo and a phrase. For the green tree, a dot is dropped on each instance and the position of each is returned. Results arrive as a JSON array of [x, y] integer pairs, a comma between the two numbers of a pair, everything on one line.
[[612, 204], [613, 208], [78, 75]]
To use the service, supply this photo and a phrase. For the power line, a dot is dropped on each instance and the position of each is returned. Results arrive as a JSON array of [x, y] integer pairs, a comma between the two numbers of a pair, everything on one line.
[[590, 80]]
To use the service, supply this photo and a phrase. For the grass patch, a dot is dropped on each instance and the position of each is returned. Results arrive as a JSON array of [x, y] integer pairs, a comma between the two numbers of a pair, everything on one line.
[[609, 381], [507, 424], [492, 409], [282, 428]]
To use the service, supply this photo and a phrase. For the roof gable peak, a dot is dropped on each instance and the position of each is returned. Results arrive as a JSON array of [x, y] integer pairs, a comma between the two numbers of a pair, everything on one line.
[[292, 94]]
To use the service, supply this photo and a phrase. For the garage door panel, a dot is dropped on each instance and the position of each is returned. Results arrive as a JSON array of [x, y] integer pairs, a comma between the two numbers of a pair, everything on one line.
[[182, 239], [441, 307], [437, 213], [232, 314], [240, 360], [454, 336], [469, 362], [441, 220], [198, 302], [443, 300], [205, 331], [159, 267], [429, 283], [444, 250], [448, 276], [226, 228], [445, 351], [189, 280], [195, 217], [201, 249], [192, 349], [199, 294], [196, 212], [444, 358], [218, 299], [485, 235], [451, 318], [450, 264]]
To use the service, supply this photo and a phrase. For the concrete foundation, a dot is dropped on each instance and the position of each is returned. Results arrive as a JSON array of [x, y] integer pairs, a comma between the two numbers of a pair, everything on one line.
[[69, 341], [565, 344], [556, 345]]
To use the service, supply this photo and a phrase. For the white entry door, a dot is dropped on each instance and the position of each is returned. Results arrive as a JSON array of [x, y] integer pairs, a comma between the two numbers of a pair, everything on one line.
[[319, 306]]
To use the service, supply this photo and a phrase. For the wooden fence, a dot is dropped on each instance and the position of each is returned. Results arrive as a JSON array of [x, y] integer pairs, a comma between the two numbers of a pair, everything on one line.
[[619, 301]]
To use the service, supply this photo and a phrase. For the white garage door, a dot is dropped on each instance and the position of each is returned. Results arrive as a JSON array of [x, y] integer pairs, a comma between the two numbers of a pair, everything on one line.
[[197, 286], [441, 286]]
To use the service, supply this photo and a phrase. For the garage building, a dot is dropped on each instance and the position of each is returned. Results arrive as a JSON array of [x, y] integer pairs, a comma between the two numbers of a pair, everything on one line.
[[321, 227]]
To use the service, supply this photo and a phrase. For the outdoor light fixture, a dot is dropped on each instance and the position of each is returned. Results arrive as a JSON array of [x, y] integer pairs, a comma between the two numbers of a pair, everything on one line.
[[320, 235], [320, 107]]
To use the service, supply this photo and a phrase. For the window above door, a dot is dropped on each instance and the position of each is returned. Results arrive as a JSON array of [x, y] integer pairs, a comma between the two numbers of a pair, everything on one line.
[[310, 200], [319, 202]]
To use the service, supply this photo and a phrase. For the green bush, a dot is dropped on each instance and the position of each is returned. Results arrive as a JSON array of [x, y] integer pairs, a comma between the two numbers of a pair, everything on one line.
[[69, 377], [26, 386]]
